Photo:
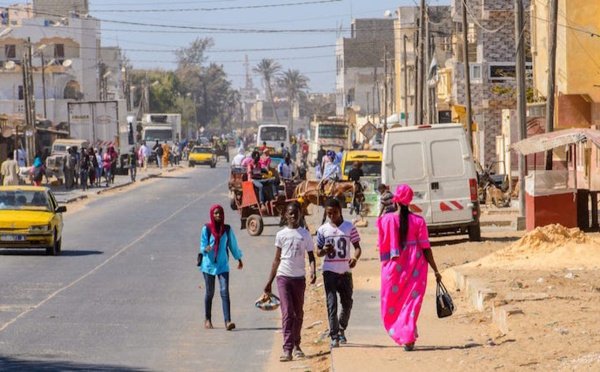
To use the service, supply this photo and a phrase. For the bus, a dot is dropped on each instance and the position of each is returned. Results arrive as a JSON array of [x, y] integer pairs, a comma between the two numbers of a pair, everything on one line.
[[331, 134], [274, 135]]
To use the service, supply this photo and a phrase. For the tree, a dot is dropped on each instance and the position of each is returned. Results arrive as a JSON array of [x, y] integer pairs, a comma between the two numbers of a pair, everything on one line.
[[268, 69], [293, 82]]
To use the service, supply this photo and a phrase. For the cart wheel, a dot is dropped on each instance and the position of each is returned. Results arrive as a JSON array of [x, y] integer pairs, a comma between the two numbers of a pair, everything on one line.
[[232, 204], [255, 225]]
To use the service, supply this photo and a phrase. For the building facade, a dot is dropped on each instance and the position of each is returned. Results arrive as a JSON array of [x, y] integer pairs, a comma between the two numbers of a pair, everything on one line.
[[360, 63], [492, 58]]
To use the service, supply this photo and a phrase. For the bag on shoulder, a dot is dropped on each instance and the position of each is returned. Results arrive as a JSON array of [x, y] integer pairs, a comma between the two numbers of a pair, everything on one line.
[[208, 235], [38, 174], [443, 301]]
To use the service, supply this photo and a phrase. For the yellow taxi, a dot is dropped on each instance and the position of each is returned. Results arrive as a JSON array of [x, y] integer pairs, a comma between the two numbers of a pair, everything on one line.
[[371, 162], [30, 217], [202, 155]]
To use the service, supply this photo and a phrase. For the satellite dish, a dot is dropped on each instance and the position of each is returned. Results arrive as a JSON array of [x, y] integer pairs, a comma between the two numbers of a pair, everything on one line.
[[9, 65], [67, 63], [387, 13]]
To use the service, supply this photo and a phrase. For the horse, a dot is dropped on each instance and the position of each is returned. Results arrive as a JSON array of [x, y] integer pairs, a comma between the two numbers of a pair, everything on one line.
[[317, 192]]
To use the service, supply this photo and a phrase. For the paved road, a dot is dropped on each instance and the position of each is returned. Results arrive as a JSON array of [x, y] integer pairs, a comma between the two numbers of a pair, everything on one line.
[[124, 293]]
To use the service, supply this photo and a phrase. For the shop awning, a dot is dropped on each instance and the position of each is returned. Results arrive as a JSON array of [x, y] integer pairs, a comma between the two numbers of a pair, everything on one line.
[[548, 141]]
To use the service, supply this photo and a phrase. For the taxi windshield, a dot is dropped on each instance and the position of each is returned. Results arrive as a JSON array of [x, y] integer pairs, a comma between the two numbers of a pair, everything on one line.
[[24, 200]]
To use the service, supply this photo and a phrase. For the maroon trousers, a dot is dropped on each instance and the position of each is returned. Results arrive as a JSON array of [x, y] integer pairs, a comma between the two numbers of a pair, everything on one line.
[[291, 294]]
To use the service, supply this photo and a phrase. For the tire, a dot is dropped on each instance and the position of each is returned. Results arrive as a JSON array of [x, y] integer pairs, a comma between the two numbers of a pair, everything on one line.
[[191, 164], [54, 249], [212, 165], [232, 204], [255, 225], [475, 233]]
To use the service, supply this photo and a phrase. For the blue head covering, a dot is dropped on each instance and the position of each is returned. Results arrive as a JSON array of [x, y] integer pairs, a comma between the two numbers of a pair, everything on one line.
[[37, 162]]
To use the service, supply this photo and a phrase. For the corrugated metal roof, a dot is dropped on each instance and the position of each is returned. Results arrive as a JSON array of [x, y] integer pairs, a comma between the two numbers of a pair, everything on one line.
[[548, 141]]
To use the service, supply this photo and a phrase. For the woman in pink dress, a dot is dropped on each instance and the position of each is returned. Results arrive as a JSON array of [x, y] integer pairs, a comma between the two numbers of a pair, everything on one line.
[[404, 251]]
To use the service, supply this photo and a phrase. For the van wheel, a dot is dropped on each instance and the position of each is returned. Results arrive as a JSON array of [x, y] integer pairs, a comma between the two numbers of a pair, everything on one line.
[[475, 233]]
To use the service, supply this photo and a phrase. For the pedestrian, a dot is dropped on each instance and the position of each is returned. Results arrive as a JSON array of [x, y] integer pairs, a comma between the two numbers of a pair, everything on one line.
[[287, 168], [10, 171], [84, 167], [94, 167], [333, 242], [159, 153], [146, 152], [354, 175], [165, 156], [293, 148], [290, 268], [339, 156], [404, 252], [76, 169], [386, 200], [216, 239], [100, 166], [36, 174], [238, 158], [133, 162], [114, 157], [70, 165], [20, 156], [106, 162], [320, 155]]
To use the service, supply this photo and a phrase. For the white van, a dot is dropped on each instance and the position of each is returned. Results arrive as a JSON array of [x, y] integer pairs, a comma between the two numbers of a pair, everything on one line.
[[437, 163], [274, 135]]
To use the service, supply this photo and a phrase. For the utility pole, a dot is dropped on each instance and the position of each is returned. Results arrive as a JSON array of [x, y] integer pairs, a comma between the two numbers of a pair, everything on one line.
[[405, 82], [427, 63], [551, 76], [421, 70], [521, 103], [44, 84], [469, 118], [385, 87]]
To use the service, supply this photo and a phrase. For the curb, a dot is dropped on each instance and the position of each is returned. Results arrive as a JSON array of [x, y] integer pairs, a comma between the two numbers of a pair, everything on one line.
[[483, 299]]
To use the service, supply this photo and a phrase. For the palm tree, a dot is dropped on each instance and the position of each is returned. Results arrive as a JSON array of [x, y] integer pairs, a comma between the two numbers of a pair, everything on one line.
[[293, 82], [268, 69]]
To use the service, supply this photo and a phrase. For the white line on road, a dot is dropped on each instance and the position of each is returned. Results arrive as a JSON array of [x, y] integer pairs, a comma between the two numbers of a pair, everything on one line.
[[55, 293]]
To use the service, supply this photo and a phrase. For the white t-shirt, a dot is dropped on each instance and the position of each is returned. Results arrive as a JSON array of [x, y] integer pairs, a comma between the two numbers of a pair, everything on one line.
[[343, 237], [294, 244]]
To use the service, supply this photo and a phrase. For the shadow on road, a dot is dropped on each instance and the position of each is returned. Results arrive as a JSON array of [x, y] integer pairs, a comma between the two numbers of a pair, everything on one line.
[[173, 177], [11, 364], [238, 329], [499, 239], [42, 252], [79, 253]]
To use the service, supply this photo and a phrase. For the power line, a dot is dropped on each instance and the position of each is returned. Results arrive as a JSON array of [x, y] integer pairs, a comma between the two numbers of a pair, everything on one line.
[[241, 7]]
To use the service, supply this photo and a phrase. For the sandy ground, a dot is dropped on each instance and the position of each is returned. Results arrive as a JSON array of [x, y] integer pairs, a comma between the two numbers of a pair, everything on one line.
[[550, 275]]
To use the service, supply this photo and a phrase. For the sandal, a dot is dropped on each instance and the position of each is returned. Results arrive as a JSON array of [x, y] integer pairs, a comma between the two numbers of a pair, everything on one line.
[[208, 324], [230, 326], [409, 347]]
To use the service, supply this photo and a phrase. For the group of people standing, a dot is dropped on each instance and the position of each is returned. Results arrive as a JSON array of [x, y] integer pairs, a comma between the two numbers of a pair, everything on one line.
[[84, 168], [404, 251]]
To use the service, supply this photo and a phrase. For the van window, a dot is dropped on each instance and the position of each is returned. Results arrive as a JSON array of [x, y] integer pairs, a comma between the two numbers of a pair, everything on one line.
[[407, 161], [447, 159]]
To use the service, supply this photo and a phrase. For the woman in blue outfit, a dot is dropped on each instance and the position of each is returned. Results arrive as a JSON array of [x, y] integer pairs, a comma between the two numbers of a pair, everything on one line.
[[216, 239]]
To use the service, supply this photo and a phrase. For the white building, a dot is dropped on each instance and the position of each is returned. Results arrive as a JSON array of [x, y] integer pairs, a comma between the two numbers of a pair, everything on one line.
[[65, 49]]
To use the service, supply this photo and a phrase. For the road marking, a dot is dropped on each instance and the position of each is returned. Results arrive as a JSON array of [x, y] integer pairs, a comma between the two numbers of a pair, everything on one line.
[[55, 293]]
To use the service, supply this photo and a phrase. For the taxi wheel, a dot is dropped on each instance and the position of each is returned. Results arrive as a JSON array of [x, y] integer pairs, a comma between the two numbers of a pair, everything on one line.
[[54, 249], [475, 233], [190, 164], [255, 225], [212, 165]]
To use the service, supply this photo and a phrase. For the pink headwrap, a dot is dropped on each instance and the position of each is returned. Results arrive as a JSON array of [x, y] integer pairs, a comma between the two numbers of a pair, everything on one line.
[[403, 194]]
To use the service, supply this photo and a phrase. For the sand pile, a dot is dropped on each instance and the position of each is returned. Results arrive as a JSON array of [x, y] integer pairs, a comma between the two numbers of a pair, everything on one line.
[[550, 246]]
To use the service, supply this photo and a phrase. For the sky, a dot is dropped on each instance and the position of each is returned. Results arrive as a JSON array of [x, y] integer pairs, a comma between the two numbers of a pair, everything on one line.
[[238, 28]]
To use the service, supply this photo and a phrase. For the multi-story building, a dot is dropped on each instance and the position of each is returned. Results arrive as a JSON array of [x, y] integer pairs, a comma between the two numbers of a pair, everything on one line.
[[440, 27], [360, 62], [492, 46], [65, 52]]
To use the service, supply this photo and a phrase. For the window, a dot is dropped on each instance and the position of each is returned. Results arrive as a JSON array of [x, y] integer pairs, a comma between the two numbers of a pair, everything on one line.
[[10, 51], [21, 94], [503, 72], [407, 162], [447, 158], [475, 72], [59, 52]]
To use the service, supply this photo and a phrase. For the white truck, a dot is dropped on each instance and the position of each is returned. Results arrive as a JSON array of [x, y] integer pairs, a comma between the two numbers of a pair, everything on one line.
[[103, 124], [161, 127]]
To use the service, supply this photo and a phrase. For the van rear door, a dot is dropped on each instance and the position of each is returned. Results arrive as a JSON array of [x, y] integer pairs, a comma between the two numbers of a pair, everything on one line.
[[450, 158], [407, 152]]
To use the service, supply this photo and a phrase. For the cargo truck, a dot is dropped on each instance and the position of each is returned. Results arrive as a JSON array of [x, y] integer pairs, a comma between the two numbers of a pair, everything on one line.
[[103, 124]]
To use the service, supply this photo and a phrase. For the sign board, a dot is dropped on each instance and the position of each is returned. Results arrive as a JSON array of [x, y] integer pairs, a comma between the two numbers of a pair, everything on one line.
[[368, 130]]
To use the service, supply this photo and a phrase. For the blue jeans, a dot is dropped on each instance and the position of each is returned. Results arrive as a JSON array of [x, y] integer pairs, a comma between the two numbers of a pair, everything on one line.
[[259, 185], [209, 281], [159, 161], [98, 171], [83, 176]]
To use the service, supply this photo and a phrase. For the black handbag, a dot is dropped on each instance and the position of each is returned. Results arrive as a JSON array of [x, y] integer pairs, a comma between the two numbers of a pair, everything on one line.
[[443, 301], [199, 259]]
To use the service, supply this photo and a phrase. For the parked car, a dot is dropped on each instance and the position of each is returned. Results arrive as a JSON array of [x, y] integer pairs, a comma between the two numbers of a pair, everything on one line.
[[30, 217], [202, 155], [436, 161]]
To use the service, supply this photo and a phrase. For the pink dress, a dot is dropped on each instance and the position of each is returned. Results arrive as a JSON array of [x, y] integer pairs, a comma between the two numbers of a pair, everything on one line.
[[403, 275]]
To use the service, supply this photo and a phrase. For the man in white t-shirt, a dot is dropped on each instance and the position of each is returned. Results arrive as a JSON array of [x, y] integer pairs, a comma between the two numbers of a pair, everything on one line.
[[293, 242], [333, 242]]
